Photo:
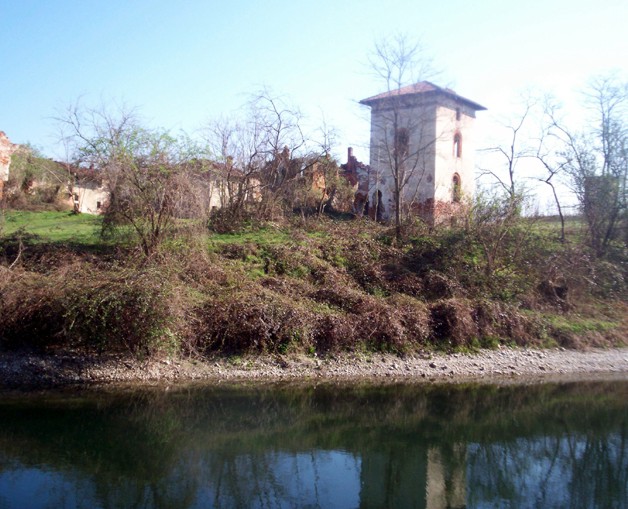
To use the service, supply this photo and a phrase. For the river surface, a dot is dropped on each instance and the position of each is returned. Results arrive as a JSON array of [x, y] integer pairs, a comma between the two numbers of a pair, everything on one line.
[[329, 445]]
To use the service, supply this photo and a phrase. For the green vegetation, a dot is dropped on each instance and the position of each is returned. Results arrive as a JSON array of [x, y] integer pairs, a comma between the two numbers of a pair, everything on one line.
[[53, 227], [36, 183], [314, 285]]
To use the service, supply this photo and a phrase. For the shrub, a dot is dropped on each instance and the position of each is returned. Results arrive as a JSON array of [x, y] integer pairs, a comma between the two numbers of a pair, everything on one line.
[[78, 305], [131, 311], [252, 319], [452, 323]]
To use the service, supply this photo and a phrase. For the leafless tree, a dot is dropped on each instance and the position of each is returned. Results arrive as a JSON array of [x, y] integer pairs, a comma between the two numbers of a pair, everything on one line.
[[144, 170], [545, 154], [406, 139], [511, 153], [265, 155], [596, 160]]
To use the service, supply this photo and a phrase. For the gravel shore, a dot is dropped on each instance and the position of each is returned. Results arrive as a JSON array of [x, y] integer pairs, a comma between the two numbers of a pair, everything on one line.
[[29, 371]]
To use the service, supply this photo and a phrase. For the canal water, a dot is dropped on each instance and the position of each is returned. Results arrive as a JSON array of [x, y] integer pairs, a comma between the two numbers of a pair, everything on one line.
[[329, 445]]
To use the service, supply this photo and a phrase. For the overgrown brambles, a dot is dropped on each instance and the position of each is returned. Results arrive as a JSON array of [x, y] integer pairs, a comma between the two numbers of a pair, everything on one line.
[[329, 287], [79, 305]]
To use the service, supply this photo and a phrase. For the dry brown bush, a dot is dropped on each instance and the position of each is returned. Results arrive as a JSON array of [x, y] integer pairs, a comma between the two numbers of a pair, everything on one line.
[[252, 319], [414, 316], [505, 322], [452, 323], [340, 297], [32, 308], [440, 286], [336, 332], [136, 310]]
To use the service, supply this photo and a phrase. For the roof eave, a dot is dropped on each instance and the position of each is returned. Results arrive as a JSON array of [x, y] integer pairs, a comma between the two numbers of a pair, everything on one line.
[[369, 101]]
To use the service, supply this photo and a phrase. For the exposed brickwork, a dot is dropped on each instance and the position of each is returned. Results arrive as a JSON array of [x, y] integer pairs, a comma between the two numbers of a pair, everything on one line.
[[6, 149], [357, 174], [437, 213]]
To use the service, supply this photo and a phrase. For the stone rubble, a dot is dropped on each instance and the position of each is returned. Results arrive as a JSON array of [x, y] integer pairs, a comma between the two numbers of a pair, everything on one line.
[[29, 370]]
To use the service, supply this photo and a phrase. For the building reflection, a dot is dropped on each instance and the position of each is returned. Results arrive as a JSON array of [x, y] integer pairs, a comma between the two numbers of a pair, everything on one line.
[[267, 452], [446, 481], [422, 477]]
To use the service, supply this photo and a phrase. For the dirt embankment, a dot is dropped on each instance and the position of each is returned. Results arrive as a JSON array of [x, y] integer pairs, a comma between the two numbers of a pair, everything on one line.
[[20, 370]]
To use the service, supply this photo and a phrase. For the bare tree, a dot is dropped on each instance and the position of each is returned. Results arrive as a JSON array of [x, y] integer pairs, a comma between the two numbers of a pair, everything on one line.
[[144, 170], [545, 154], [596, 160], [235, 161], [265, 155], [405, 135], [511, 154]]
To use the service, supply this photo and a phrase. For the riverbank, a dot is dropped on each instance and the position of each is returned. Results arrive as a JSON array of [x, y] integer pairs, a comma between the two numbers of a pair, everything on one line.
[[316, 286], [33, 371]]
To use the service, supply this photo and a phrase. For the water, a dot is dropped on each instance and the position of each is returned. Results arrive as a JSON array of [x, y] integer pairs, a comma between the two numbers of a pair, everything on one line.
[[424, 446]]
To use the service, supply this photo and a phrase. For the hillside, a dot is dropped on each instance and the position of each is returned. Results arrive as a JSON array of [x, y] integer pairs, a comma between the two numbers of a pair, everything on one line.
[[313, 286]]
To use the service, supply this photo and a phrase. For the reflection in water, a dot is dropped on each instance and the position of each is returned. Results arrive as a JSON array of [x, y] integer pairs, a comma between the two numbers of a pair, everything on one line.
[[570, 471], [446, 480], [400, 446]]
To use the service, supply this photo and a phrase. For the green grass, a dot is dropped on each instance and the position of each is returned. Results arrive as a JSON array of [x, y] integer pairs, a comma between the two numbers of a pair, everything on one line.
[[579, 324], [84, 229], [263, 236], [550, 225], [53, 227]]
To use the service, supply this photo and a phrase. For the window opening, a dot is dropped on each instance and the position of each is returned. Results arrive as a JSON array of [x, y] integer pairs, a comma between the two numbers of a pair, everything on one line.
[[457, 189], [457, 145], [402, 142]]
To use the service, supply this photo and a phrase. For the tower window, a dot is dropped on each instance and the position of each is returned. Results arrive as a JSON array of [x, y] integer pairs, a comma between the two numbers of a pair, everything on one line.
[[458, 114], [457, 145], [457, 189], [402, 142]]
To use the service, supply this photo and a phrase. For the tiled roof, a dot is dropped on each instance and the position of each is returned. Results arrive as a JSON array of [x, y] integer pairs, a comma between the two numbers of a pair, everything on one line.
[[422, 87]]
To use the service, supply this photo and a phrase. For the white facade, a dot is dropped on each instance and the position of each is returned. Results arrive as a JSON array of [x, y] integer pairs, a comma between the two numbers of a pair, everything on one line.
[[90, 197], [423, 135]]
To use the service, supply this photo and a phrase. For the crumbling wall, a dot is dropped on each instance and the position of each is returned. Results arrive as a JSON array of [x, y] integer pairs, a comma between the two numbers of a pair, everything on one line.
[[6, 149], [357, 174]]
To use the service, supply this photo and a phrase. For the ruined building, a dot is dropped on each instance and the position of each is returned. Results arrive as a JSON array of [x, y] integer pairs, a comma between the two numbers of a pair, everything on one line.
[[421, 146], [6, 149]]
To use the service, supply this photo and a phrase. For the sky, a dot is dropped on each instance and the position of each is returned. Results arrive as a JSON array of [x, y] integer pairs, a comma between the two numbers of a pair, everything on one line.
[[182, 64]]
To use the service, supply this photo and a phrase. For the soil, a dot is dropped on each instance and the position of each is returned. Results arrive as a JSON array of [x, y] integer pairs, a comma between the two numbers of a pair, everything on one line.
[[20, 370]]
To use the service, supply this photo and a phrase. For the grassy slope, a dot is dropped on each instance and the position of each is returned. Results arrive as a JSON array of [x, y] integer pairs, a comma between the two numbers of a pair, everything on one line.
[[326, 286]]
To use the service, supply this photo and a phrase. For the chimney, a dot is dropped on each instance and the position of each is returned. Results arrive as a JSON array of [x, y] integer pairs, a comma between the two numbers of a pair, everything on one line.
[[349, 153]]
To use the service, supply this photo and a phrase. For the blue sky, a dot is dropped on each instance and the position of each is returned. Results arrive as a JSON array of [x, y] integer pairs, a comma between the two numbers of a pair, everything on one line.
[[184, 63]]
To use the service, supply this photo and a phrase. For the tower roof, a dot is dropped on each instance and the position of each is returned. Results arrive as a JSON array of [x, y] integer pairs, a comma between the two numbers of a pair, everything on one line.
[[421, 88]]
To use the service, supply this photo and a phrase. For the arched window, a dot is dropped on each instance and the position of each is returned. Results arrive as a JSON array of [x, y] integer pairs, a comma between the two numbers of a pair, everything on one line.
[[457, 189], [402, 142], [457, 145]]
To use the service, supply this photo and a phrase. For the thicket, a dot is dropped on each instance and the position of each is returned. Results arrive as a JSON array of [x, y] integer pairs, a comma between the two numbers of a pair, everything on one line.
[[317, 285]]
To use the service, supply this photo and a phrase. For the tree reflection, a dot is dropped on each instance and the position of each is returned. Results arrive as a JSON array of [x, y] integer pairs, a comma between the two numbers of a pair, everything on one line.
[[400, 446], [570, 471]]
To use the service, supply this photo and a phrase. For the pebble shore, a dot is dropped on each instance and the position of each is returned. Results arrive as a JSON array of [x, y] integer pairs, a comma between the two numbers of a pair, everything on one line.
[[32, 371]]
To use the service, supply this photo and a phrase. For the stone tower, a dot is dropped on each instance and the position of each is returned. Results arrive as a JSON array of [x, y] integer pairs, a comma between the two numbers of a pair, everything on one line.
[[423, 135]]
